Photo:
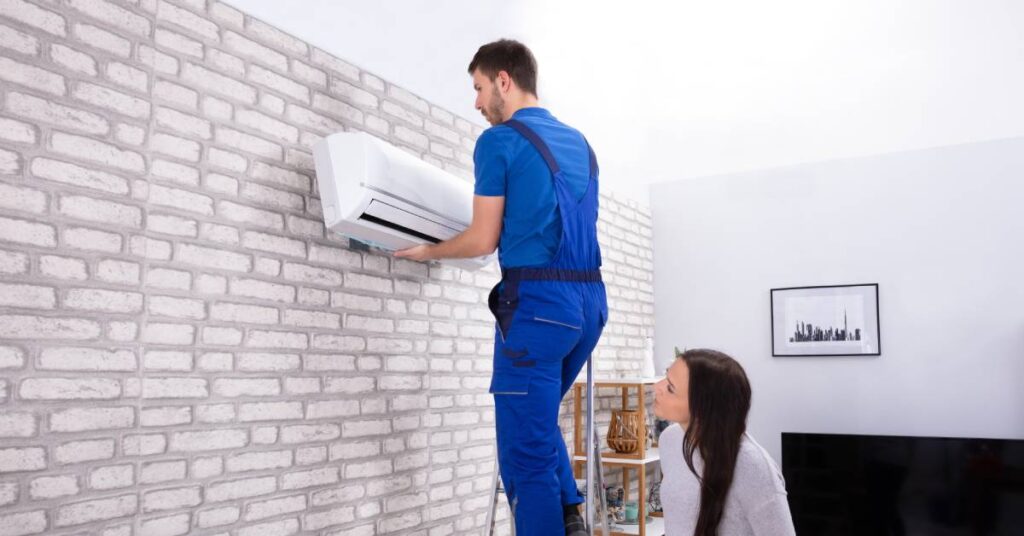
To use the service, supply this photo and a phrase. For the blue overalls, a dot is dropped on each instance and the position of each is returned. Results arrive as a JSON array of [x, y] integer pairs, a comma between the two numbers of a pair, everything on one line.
[[549, 319]]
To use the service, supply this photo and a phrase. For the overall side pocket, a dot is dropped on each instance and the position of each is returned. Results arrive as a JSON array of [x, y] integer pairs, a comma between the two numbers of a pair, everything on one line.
[[503, 303]]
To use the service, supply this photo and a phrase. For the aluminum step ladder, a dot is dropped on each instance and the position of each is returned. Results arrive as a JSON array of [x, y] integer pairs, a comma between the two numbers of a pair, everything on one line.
[[594, 477]]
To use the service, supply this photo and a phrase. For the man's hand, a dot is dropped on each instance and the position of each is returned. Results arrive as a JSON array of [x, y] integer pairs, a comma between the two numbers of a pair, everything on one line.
[[416, 253]]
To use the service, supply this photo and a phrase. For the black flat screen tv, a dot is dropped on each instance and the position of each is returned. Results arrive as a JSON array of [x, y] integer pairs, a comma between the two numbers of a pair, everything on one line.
[[892, 485]]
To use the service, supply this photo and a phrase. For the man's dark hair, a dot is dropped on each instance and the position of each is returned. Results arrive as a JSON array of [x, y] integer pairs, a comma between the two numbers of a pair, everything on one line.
[[510, 56]]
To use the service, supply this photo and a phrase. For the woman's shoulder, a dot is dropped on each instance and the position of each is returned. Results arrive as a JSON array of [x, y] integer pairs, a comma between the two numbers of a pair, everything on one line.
[[673, 433], [670, 445], [756, 469]]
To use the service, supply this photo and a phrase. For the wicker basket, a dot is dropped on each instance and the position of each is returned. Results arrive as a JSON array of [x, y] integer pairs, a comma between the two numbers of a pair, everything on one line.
[[625, 431]]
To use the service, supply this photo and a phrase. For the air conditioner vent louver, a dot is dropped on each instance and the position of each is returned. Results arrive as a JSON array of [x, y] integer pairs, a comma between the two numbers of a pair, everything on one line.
[[399, 228]]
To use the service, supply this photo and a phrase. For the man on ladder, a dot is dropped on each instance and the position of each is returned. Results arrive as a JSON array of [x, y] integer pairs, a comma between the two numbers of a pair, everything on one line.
[[536, 202]]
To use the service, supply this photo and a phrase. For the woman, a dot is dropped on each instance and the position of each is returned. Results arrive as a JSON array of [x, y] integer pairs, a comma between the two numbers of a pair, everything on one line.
[[717, 479]]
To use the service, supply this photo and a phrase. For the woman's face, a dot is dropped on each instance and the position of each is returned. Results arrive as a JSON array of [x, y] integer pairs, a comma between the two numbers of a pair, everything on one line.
[[672, 394]]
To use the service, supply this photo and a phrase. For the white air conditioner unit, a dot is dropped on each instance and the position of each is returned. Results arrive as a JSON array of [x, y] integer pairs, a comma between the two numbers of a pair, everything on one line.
[[376, 193]]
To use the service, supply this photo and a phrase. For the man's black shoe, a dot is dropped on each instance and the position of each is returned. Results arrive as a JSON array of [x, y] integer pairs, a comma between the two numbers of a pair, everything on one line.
[[573, 521]]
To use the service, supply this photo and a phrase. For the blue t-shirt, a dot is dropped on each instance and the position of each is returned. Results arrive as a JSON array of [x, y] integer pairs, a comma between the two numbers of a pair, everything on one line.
[[507, 164]]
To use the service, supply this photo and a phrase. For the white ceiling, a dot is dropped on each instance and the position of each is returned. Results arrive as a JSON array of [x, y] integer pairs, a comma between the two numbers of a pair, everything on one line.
[[670, 90]]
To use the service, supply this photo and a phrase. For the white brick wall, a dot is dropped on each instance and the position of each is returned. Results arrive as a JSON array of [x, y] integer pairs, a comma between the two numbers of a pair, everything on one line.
[[184, 349]]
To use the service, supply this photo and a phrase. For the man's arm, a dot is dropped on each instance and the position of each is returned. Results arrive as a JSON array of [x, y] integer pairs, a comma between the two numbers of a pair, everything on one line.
[[479, 239]]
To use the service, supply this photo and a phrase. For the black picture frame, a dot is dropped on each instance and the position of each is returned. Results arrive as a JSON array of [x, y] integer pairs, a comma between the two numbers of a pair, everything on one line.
[[805, 321]]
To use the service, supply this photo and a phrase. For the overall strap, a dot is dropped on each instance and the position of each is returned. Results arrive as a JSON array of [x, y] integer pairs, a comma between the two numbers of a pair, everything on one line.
[[545, 152], [533, 138]]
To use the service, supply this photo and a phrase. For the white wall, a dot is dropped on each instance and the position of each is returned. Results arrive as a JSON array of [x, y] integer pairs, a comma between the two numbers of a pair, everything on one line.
[[687, 89], [940, 230]]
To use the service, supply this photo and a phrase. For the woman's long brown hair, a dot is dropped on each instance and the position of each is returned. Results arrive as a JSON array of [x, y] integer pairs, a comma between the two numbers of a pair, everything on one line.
[[719, 403]]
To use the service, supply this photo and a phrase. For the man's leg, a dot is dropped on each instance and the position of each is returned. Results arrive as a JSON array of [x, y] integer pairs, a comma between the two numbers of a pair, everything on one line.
[[571, 367], [529, 441], [527, 388]]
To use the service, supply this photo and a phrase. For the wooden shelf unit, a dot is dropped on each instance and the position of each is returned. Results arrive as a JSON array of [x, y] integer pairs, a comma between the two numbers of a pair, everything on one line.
[[645, 455]]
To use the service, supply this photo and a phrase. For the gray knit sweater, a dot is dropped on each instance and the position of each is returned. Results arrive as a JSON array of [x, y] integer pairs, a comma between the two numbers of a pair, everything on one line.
[[756, 504]]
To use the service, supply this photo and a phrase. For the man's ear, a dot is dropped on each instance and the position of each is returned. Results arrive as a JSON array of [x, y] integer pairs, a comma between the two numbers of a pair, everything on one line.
[[504, 81]]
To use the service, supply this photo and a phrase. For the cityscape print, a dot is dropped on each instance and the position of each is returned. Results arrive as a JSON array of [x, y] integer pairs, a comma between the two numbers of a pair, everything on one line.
[[807, 332]]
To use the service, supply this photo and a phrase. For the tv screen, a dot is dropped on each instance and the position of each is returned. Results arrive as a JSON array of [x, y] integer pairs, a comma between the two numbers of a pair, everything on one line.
[[892, 485]]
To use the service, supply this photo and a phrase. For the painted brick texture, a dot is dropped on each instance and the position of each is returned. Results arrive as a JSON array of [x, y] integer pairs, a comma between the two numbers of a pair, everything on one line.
[[184, 349]]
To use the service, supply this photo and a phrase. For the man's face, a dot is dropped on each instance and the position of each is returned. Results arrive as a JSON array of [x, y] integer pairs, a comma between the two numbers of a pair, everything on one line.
[[488, 98]]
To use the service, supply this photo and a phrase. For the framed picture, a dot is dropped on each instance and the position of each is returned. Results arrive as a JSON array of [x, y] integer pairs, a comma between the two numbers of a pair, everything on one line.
[[826, 321]]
